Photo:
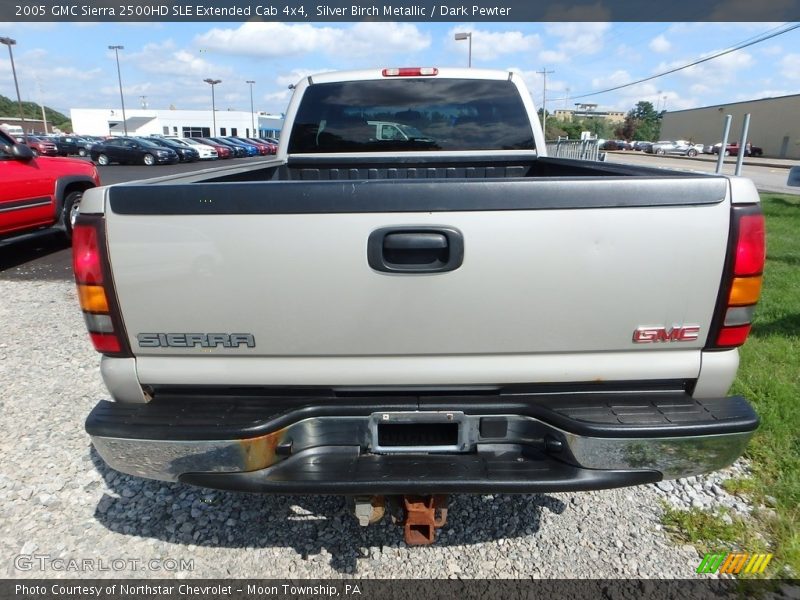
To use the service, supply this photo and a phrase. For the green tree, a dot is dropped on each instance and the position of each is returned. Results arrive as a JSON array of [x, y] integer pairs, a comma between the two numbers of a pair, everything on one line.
[[642, 122]]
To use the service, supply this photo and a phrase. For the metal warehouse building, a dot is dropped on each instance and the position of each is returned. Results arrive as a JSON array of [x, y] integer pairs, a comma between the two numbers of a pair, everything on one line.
[[182, 123], [774, 124]]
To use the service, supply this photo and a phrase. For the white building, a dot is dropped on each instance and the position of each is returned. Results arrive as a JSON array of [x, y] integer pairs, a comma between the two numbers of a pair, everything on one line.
[[182, 123]]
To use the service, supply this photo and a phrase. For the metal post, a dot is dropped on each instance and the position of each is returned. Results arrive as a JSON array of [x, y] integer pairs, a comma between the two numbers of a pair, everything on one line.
[[212, 83], [252, 112], [116, 50], [9, 42], [466, 36], [726, 131], [742, 145], [544, 72]]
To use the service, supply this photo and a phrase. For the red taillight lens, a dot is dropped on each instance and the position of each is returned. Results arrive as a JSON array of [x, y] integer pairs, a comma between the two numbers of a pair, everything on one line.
[[411, 72], [750, 247], [86, 255], [741, 288], [95, 289]]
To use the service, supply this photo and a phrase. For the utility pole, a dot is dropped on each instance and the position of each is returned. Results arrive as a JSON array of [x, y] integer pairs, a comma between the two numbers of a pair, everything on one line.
[[252, 112], [544, 73], [116, 50], [7, 41]]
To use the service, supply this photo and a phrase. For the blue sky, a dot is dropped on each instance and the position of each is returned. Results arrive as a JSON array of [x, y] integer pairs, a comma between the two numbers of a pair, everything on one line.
[[68, 65]]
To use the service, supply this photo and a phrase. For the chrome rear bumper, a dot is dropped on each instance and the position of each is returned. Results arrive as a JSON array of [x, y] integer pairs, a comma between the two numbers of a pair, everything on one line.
[[446, 445]]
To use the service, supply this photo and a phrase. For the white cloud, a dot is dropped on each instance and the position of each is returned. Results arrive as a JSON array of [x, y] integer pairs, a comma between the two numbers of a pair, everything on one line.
[[790, 66], [553, 57], [660, 44], [283, 39], [723, 69], [619, 77], [489, 45], [578, 39]]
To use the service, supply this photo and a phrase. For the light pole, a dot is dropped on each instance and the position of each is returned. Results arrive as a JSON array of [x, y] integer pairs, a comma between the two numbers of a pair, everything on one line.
[[9, 42], [252, 117], [544, 73], [466, 36], [116, 50], [212, 83]]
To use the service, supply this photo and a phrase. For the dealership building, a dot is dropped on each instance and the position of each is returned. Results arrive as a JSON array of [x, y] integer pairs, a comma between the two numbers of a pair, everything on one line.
[[182, 123], [774, 124]]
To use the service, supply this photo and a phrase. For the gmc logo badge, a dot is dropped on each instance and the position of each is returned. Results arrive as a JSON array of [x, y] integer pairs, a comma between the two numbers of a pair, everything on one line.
[[650, 335]]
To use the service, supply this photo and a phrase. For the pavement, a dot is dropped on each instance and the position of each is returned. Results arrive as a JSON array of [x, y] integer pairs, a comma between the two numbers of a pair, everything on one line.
[[753, 161]]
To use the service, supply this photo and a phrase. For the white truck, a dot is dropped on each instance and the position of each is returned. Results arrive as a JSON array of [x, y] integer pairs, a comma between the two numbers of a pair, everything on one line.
[[388, 318]]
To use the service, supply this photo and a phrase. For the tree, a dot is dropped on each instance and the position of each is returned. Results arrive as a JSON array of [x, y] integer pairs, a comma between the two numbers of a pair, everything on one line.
[[642, 122]]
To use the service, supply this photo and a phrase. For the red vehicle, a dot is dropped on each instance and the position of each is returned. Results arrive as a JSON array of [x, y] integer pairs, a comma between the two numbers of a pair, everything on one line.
[[40, 145], [222, 151], [733, 149], [40, 192]]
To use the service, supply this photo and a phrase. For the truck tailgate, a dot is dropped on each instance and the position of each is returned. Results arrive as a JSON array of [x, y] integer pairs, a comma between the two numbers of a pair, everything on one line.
[[554, 281]]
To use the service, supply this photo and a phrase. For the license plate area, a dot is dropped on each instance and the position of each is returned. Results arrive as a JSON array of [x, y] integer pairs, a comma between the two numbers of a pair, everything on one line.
[[405, 432]]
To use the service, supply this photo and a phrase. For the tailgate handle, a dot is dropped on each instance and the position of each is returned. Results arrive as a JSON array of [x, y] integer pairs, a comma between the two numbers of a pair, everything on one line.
[[417, 249]]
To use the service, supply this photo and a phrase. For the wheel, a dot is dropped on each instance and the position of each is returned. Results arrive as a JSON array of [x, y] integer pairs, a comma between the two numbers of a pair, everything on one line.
[[149, 159], [82, 152], [661, 152], [692, 153], [102, 159], [727, 152], [69, 212]]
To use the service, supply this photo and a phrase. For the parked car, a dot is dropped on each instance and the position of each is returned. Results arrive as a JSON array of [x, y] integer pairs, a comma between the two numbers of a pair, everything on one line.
[[264, 148], [615, 145], [643, 146], [734, 148], [223, 150], [72, 145], [236, 151], [250, 149], [39, 144], [39, 192], [185, 153], [273, 144], [679, 147], [204, 151], [132, 151]]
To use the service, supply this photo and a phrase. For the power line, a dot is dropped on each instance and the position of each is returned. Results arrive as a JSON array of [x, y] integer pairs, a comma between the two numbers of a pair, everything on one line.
[[750, 42]]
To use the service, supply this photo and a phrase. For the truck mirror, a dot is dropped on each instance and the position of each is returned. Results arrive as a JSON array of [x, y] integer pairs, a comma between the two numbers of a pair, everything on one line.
[[21, 152], [794, 177]]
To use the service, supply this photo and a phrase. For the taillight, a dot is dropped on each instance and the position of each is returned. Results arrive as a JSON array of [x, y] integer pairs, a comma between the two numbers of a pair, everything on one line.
[[411, 72], [95, 288], [741, 286]]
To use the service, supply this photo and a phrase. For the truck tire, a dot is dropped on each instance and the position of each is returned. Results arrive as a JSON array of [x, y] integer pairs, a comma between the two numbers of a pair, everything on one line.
[[149, 159], [69, 212]]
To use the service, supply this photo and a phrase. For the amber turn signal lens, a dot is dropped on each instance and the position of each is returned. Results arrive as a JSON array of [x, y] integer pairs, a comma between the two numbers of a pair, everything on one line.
[[745, 290], [93, 298]]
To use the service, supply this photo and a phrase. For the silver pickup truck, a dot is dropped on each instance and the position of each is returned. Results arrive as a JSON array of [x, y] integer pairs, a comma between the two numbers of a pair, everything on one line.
[[453, 312]]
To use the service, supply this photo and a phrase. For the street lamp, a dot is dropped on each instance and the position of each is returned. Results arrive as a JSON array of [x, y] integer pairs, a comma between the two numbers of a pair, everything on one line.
[[252, 117], [212, 83], [116, 50], [9, 42], [466, 36]]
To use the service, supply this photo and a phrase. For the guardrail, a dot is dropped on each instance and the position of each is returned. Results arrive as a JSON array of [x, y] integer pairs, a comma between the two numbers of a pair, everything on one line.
[[579, 149]]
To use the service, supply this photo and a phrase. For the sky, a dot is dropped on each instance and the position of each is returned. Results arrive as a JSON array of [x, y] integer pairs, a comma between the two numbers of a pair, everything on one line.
[[68, 65]]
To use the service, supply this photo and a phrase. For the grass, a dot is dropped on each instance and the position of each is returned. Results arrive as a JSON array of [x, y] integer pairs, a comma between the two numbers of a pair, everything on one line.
[[769, 376]]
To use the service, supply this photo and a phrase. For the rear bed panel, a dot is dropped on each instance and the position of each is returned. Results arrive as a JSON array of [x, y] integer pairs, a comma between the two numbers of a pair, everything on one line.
[[555, 291]]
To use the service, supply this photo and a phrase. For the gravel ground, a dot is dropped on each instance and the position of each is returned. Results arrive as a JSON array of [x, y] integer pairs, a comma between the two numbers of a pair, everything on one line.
[[60, 500]]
